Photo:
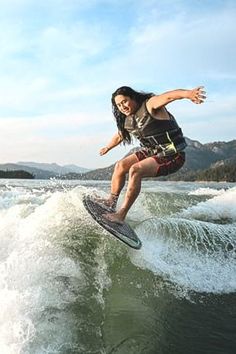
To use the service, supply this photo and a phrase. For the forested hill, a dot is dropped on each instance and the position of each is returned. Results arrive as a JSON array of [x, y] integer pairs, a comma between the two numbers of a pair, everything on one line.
[[16, 174], [211, 162], [208, 162], [205, 162]]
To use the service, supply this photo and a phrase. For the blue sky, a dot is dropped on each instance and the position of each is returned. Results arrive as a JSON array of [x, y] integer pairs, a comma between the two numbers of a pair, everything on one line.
[[62, 59]]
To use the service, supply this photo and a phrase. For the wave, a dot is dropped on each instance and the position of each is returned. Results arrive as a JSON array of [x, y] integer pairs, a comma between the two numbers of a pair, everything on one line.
[[194, 255], [221, 208], [44, 271], [207, 191], [193, 248], [54, 257]]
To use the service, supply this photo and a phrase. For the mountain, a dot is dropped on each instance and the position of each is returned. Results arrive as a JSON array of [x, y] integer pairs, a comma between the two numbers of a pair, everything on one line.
[[75, 168], [212, 161], [55, 168], [199, 158], [18, 174], [202, 156], [43, 170], [36, 172], [221, 171], [202, 161]]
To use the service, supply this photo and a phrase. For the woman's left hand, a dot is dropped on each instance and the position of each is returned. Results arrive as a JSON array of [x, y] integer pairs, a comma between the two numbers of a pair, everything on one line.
[[197, 95]]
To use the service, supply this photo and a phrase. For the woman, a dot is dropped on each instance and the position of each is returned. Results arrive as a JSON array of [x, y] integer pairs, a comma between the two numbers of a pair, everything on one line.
[[145, 117]]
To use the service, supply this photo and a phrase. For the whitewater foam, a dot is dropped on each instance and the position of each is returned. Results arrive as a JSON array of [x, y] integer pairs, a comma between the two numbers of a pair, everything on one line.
[[192, 260], [54, 257], [36, 273], [207, 191], [221, 207]]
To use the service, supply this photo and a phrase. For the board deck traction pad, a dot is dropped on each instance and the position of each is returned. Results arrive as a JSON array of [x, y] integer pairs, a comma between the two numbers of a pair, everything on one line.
[[123, 232]]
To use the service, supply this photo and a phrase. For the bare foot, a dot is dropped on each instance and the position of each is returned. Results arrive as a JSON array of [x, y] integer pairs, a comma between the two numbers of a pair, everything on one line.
[[109, 203], [114, 217]]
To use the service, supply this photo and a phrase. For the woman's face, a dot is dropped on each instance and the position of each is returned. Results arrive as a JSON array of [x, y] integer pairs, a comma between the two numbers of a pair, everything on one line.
[[126, 105]]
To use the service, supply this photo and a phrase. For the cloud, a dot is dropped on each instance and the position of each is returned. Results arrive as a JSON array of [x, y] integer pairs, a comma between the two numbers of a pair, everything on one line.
[[60, 138], [46, 59], [61, 60], [213, 120], [186, 47], [81, 58], [78, 150]]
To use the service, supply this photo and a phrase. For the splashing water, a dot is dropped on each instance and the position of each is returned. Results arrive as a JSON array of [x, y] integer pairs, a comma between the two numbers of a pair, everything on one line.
[[56, 264]]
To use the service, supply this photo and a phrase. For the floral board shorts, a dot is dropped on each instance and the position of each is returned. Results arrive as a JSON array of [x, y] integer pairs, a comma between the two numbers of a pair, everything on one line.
[[165, 165]]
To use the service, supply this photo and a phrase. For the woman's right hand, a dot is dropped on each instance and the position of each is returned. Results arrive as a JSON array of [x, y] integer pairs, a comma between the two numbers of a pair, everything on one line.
[[103, 151]]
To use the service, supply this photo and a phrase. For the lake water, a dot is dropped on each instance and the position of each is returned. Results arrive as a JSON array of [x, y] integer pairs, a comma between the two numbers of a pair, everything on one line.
[[67, 286]]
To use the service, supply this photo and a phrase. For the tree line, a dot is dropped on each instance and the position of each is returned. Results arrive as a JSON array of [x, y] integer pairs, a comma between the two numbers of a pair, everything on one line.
[[223, 173], [16, 174]]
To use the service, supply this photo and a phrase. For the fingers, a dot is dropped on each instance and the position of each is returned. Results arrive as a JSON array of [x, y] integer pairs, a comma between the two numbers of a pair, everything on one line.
[[198, 95], [103, 151]]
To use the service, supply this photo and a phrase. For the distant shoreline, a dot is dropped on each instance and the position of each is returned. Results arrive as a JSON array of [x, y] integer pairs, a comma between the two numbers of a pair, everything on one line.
[[16, 174]]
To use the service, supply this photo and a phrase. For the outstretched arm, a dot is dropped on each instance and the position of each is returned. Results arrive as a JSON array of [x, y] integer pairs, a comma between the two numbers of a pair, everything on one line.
[[116, 140], [196, 95]]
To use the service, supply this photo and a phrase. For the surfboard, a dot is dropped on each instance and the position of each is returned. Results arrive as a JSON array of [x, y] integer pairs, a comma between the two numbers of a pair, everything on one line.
[[122, 232]]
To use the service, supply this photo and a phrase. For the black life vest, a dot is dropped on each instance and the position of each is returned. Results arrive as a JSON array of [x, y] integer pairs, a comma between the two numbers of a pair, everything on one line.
[[163, 136]]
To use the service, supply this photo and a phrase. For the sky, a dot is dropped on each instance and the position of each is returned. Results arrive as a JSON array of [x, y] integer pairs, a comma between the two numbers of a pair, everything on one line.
[[62, 59]]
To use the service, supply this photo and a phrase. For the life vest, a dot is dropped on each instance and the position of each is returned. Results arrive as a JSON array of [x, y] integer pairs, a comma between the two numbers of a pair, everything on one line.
[[162, 136]]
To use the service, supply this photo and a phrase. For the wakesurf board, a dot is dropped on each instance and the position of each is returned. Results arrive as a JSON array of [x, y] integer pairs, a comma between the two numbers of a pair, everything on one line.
[[123, 231]]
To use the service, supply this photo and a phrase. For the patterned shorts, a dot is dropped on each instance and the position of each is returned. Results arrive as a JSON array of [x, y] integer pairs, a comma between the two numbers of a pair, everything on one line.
[[165, 165]]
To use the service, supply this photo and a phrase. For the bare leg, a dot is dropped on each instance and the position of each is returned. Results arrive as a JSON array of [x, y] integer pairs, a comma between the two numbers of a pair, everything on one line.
[[145, 168], [118, 179]]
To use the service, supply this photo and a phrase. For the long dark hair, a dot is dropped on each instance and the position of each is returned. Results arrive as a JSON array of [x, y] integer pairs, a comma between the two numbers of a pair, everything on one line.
[[139, 97]]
